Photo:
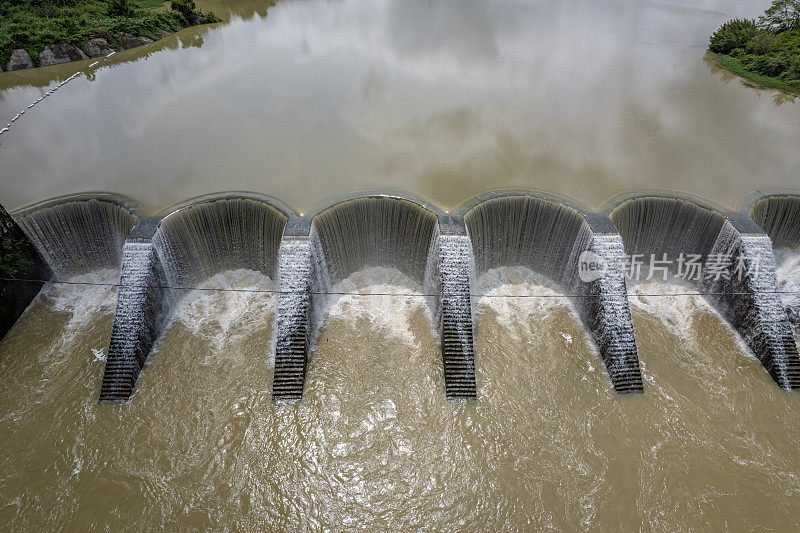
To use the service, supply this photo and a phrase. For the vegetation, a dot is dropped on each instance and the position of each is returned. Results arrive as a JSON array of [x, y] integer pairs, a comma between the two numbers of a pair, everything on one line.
[[13, 257], [35, 24], [765, 52]]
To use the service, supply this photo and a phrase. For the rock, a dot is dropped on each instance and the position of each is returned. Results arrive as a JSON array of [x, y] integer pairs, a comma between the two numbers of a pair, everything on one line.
[[132, 41], [164, 33], [56, 54], [19, 59], [98, 47]]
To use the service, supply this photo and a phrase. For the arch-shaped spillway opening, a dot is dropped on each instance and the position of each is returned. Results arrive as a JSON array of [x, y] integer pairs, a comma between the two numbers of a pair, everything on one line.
[[528, 231], [655, 226], [550, 237], [201, 240], [62, 238], [369, 232], [162, 261], [779, 217], [372, 232], [79, 235], [724, 257]]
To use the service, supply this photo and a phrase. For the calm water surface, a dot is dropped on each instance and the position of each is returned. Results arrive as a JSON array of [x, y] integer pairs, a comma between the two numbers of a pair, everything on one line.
[[309, 100]]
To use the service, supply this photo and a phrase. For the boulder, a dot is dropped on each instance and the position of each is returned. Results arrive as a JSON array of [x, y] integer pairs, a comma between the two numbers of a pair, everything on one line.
[[60, 53], [98, 47], [132, 41], [19, 59]]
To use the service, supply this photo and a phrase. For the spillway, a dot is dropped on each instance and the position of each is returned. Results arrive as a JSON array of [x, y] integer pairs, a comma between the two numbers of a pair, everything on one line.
[[161, 257], [164, 257], [664, 227], [367, 232], [79, 235], [61, 238], [431, 250], [549, 236]]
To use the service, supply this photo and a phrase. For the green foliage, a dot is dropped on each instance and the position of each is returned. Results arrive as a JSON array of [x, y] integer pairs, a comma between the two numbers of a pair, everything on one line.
[[733, 34], [186, 9], [737, 67], [35, 24], [763, 42], [190, 14], [13, 258], [782, 15], [120, 8], [767, 53]]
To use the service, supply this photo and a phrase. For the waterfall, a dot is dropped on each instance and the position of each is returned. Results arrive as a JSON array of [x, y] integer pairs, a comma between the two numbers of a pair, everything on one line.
[[748, 300], [779, 217], [549, 237], [181, 250], [392, 232], [79, 236], [198, 241]]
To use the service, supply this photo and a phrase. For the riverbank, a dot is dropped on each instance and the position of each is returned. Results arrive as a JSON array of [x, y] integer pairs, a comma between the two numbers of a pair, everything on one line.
[[39, 33], [766, 53], [754, 79]]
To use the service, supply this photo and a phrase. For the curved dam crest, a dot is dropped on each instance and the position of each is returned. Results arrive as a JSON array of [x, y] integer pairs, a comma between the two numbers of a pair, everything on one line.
[[160, 257]]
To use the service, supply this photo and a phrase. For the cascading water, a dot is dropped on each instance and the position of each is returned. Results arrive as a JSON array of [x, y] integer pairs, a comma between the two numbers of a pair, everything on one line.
[[672, 229], [396, 233], [292, 322], [185, 248], [550, 238], [79, 236]]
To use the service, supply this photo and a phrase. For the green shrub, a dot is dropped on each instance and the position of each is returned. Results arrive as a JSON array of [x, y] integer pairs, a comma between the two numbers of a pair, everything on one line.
[[186, 9], [120, 8], [733, 34], [13, 257], [763, 42]]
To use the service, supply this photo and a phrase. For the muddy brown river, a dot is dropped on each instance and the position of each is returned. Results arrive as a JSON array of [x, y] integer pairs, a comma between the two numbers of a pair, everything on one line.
[[311, 100]]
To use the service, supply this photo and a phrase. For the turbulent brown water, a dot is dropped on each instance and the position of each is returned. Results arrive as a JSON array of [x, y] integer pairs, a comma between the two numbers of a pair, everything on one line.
[[374, 444], [310, 100]]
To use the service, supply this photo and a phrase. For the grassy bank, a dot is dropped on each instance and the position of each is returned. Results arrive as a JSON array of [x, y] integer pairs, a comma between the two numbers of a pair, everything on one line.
[[755, 79], [766, 52], [35, 24]]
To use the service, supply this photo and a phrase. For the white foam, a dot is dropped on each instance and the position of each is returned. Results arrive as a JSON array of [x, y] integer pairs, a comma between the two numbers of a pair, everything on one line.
[[788, 274], [220, 316], [522, 299], [678, 307], [84, 296], [375, 294]]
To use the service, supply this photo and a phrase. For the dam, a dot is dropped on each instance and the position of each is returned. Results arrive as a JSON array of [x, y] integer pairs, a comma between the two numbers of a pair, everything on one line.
[[162, 257], [399, 266]]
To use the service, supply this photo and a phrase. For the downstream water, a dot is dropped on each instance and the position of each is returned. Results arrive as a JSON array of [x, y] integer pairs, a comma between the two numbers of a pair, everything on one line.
[[373, 444], [445, 99]]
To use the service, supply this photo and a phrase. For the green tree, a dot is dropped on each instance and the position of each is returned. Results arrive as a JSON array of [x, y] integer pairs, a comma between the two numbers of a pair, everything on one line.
[[782, 15], [733, 34]]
